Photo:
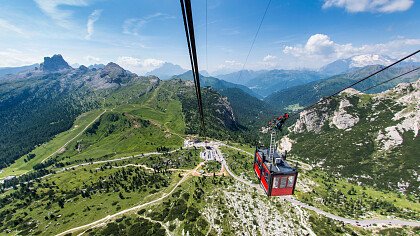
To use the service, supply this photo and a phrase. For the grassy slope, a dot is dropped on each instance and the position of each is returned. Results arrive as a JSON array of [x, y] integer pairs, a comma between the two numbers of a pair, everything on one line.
[[167, 129], [46, 149], [130, 138], [79, 210], [140, 126]]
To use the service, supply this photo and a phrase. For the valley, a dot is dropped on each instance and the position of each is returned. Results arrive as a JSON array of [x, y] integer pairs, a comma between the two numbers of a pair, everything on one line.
[[134, 163], [210, 118]]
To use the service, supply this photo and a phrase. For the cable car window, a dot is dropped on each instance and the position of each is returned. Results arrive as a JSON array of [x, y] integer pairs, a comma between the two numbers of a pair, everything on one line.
[[283, 182], [290, 181], [275, 182]]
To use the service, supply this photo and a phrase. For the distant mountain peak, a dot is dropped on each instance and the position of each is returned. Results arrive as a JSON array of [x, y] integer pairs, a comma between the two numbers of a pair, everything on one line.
[[54, 63], [369, 59], [342, 65], [167, 70]]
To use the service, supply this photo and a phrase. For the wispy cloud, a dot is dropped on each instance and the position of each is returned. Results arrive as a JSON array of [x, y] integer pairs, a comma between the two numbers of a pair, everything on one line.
[[60, 16], [133, 25], [384, 6], [92, 59], [93, 17], [230, 31], [228, 66], [12, 57], [7, 26], [138, 65]]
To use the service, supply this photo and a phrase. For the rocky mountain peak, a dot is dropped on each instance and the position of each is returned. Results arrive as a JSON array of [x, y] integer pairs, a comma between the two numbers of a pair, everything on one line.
[[113, 70], [54, 63]]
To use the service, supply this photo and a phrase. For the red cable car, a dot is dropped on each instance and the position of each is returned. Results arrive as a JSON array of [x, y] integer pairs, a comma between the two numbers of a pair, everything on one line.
[[276, 176]]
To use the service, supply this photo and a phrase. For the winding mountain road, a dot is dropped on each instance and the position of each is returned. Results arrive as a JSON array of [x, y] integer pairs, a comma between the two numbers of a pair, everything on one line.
[[216, 145], [69, 141], [294, 201]]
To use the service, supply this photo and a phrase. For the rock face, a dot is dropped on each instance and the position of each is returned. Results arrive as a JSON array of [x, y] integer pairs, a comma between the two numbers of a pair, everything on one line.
[[54, 63], [311, 120], [342, 119], [408, 118], [376, 133], [390, 138], [225, 113], [113, 73]]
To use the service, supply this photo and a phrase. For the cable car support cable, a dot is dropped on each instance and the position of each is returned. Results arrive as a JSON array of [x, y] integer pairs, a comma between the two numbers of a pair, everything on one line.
[[253, 41], [389, 80], [189, 33]]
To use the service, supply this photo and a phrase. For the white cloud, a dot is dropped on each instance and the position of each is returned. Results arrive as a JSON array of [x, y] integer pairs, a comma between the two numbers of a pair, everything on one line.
[[270, 61], [320, 49], [12, 58], [230, 64], [269, 58], [138, 65], [133, 25], [92, 59], [7, 26], [384, 6], [93, 17], [61, 17]]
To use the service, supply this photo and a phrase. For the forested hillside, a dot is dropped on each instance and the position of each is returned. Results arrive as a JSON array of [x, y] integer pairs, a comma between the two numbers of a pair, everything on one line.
[[215, 83], [299, 96], [37, 105], [369, 139], [272, 81]]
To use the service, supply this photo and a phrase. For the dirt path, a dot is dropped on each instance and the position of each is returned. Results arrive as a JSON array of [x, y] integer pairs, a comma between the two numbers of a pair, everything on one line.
[[60, 149], [108, 161], [109, 218], [69, 141]]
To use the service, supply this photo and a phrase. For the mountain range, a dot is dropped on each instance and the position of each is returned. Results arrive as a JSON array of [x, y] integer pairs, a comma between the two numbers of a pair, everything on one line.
[[215, 83], [103, 151], [303, 95], [54, 94], [14, 70]]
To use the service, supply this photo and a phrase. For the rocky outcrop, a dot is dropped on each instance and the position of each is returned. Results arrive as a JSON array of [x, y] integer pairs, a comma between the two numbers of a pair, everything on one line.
[[312, 120], [408, 95], [285, 144], [342, 119], [113, 73], [389, 138], [54, 63], [225, 113]]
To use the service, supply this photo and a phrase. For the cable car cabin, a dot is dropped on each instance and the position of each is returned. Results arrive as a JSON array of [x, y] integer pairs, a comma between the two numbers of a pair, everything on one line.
[[276, 179]]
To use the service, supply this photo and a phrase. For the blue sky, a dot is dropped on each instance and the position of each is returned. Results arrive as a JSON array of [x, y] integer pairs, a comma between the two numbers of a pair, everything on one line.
[[141, 35]]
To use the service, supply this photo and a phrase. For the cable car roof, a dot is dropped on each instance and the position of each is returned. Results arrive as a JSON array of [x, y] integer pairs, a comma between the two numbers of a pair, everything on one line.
[[282, 167]]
